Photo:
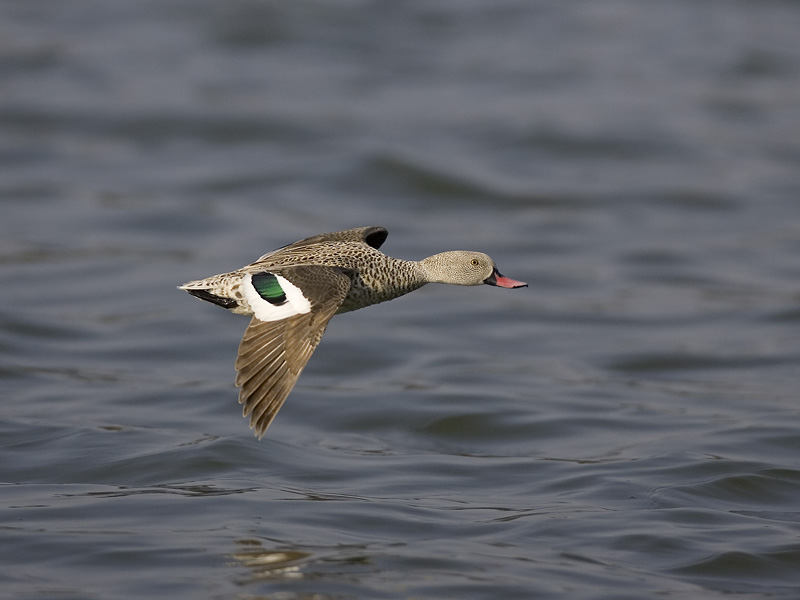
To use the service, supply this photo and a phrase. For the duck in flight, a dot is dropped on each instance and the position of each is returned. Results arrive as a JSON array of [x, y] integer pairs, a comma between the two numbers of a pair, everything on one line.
[[292, 293]]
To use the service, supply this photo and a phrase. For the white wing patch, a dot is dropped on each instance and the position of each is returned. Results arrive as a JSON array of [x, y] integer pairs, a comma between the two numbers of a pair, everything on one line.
[[296, 303]]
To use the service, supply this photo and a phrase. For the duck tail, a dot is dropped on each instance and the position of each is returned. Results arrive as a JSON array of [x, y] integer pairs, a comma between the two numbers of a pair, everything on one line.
[[204, 294]]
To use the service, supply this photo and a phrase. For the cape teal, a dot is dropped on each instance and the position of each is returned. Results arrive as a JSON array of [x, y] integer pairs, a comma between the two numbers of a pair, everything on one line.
[[292, 293]]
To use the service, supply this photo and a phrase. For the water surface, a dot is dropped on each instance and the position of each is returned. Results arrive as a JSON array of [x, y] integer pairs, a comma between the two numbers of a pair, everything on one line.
[[626, 427]]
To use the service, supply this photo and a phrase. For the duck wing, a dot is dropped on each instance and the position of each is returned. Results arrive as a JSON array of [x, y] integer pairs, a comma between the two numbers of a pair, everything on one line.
[[272, 353], [373, 236]]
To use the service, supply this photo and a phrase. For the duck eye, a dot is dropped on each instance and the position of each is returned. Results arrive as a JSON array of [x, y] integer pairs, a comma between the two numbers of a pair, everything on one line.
[[475, 262]]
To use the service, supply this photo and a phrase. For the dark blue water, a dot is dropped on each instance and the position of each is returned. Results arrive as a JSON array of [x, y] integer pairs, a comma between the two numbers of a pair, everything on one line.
[[626, 427]]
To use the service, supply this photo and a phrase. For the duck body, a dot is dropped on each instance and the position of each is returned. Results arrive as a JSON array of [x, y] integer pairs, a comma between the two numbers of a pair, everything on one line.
[[374, 277], [292, 293]]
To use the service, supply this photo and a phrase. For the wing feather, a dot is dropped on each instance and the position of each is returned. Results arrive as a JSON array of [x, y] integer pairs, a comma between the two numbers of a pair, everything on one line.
[[372, 236], [272, 354]]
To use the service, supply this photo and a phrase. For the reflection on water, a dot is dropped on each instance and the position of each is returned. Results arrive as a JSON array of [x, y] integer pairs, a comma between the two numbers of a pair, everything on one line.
[[264, 564]]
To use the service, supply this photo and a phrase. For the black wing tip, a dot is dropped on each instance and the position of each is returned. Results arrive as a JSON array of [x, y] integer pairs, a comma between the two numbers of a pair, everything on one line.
[[375, 236]]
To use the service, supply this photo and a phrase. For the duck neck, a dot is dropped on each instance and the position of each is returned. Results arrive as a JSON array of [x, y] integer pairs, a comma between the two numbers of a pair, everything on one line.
[[401, 277], [432, 270], [383, 280]]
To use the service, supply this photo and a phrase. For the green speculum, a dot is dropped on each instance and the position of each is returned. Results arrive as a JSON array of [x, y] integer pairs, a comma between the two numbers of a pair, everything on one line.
[[269, 288]]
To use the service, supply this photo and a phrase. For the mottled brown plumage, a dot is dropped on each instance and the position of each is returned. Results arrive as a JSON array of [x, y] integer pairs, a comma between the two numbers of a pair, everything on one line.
[[294, 291]]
